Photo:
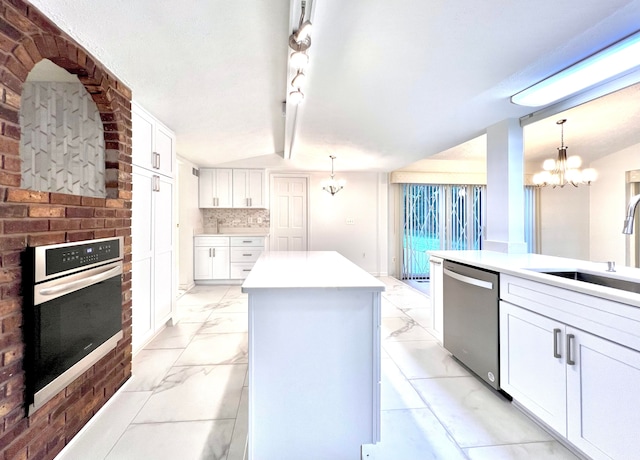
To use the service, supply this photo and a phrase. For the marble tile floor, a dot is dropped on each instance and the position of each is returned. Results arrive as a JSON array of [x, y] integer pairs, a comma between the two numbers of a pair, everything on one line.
[[188, 396]]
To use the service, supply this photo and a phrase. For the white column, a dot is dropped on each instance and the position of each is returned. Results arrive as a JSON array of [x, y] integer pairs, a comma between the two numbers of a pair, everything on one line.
[[505, 188]]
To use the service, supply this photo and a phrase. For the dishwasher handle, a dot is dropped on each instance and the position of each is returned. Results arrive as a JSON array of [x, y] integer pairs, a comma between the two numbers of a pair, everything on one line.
[[469, 280]]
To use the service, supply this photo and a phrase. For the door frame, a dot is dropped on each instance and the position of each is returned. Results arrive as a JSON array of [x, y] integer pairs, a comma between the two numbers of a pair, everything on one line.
[[272, 177]]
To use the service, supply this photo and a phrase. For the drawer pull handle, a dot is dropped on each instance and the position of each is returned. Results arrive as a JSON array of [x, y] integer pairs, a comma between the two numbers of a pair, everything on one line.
[[570, 360], [247, 255], [556, 342], [247, 241], [246, 269]]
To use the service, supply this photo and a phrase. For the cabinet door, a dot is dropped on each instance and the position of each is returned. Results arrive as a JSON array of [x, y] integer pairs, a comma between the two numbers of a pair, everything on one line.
[[220, 263], [163, 251], [223, 187], [206, 194], [240, 188], [255, 188], [141, 302], [202, 263], [602, 395], [164, 147], [142, 129], [435, 286], [532, 361]]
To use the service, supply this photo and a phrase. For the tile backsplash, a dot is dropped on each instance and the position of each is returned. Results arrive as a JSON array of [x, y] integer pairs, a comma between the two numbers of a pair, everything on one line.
[[234, 218]]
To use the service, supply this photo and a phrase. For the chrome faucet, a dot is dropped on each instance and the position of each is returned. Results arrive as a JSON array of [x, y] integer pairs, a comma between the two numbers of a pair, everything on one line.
[[631, 212]]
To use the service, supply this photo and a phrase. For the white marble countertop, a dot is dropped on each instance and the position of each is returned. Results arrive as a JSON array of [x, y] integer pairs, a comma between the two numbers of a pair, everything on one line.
[[529, 266], [226, 233], [308, 270]]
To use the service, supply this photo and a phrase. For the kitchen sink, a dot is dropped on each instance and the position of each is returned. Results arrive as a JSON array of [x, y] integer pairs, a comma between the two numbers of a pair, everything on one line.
[[625, 285]]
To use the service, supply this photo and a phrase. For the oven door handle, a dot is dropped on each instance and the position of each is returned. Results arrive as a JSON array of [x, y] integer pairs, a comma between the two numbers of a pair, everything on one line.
[[81, 283], [468, 279]]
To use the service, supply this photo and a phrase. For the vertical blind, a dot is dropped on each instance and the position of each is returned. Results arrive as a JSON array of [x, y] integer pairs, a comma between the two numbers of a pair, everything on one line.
[[444, 217]]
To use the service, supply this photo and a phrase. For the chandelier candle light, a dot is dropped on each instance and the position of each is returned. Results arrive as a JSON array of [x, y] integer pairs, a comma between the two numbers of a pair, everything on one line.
[[563, 171], [332, 186]]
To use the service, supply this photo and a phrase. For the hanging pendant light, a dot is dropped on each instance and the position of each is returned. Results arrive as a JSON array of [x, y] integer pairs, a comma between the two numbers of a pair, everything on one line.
[[332, 186], [564, 170]]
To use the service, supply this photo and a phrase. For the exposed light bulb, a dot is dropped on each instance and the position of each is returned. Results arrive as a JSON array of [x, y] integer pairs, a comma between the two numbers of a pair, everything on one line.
[[549, 165], [299, 59], [574, 162], [296, 97]]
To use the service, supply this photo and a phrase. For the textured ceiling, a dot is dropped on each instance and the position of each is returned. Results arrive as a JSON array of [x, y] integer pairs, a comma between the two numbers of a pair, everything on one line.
[[390, 83]]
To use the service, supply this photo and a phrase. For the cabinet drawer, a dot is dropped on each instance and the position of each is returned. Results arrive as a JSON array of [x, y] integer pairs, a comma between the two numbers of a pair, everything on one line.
[[211, 241], [245, 254], [240, 270], [247, 241]]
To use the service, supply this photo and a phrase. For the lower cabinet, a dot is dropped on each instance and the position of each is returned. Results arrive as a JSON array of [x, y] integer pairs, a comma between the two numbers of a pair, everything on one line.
[[224, 257], [211, 258], [581, 385]]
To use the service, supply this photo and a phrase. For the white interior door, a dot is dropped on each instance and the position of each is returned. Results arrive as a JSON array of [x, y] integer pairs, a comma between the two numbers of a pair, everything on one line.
[[289, 214]]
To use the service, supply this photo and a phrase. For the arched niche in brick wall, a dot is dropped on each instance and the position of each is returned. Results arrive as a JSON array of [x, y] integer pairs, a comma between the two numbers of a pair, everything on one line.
[[62, 147]]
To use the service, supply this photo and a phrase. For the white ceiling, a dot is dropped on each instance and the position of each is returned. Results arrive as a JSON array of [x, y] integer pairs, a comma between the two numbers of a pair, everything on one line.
[[390, 83]]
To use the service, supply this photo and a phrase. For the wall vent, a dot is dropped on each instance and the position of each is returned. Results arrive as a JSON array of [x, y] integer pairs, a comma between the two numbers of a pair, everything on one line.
[[195, 172]]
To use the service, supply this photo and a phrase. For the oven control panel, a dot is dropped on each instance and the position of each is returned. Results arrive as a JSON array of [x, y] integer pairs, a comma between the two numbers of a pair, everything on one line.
[[83, 254]]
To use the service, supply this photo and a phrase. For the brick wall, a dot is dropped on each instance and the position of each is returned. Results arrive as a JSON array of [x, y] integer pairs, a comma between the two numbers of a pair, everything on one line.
[[37, 218]]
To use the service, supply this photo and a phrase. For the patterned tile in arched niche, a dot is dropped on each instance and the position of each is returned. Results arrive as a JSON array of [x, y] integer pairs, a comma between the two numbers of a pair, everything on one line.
[[62, 140]]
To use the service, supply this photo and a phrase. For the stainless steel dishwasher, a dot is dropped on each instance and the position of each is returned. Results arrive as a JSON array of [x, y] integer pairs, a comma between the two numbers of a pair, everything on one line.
[[470, 298]]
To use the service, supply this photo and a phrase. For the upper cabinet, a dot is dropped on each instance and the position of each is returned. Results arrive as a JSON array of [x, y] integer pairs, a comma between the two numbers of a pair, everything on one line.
[[248, 188], [215, 186], [153, 143], [231, 188]]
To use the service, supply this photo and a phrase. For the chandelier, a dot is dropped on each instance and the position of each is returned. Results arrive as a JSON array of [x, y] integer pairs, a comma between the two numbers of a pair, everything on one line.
[[565, 170], [332, 186]]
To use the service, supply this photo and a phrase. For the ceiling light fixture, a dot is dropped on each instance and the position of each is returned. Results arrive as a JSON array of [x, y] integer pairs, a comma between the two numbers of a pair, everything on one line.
[[615, 60], [299, 42], [563, 171], [332, 186]]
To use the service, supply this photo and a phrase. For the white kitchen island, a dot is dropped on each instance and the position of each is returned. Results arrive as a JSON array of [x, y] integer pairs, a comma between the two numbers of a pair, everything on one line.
[[314, 357]]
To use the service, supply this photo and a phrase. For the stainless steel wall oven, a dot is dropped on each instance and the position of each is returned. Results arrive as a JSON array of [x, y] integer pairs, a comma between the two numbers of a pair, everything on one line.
[[72, 312]]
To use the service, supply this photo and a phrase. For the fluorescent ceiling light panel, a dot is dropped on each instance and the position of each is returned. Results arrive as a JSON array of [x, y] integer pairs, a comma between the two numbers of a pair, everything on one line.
[[614, 60]]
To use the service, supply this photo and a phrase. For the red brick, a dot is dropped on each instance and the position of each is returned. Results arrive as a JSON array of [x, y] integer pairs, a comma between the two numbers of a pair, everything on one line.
[[14, 242], [8, 178], [47, 211], [92, 223], [60, 198], [13, 210], [104, 233], [20, 71], [9, 356], [10, 259], [47, 238], [80, 212], [12, 131], [111, 203], [23, 57], [8, 275], [104, 212], [10, 80], [11, 163], [26, 196], [9, 30], [20, 5], [9, 306], [79, 236], [32, 49], [41, 21], [64, 224], [92, 201], [11, 290], [26, 226], [8, 145], [11, 98]]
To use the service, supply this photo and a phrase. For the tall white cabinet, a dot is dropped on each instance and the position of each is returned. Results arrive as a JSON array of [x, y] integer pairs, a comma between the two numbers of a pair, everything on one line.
[[153, 216]]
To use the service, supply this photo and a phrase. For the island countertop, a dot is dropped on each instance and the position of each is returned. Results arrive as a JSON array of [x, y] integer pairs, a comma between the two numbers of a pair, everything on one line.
[[532, 266], [308, 270]]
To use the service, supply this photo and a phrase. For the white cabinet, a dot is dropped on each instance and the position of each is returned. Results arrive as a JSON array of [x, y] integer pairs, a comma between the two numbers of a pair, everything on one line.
[[211, 258], [532, 364], [153, 143], [215, 188], [152, 227], [248, 188], [435, 287], [244, 253], [152, 254], [602, 397], [231, 188], [581, 385]]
